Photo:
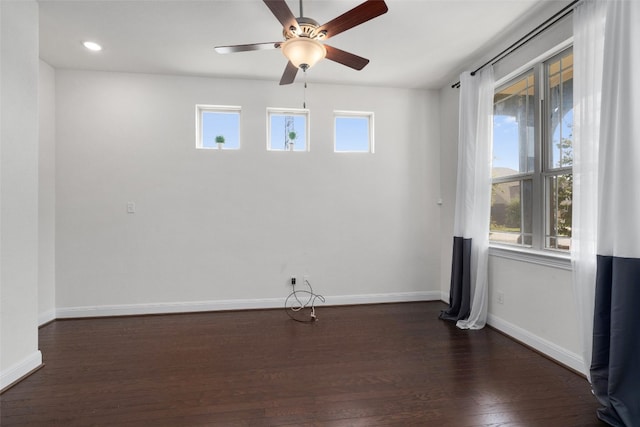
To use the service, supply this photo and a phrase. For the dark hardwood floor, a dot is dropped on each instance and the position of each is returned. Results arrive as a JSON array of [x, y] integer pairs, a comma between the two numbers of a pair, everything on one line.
[[389, 364]]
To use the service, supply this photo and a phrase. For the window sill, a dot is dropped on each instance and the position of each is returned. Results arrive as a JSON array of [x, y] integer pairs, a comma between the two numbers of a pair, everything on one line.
[[547, 258]]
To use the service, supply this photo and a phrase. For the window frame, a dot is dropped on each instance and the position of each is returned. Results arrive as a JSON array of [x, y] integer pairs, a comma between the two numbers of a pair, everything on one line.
[[542, 165], [304, 112], [547, 168], [345, 114], [224, 109]]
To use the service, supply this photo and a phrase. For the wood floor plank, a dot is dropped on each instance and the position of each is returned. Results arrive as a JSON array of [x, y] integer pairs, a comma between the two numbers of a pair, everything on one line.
[[372, 365]]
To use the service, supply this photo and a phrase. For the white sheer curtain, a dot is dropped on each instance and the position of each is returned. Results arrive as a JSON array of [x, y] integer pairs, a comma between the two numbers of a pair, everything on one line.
[[606, 255], [588, 53], [473, 192]]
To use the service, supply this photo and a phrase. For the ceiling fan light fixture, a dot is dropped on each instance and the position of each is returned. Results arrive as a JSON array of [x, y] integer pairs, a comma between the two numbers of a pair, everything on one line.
[[302, 46], [303, 52]]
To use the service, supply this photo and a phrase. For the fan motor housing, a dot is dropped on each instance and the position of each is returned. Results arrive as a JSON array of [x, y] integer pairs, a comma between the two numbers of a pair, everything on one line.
[[308, 28]]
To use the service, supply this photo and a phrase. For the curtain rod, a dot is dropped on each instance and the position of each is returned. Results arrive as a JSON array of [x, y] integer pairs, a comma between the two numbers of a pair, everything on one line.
[[526, 38]]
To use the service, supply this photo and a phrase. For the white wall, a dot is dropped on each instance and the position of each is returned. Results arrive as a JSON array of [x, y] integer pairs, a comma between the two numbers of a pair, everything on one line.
[[539, 305], [18, 191], [449, 104], [46, 194], [225, 229]]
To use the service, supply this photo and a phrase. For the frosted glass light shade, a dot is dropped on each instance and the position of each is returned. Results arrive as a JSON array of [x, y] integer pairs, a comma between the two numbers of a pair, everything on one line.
[[303, 51], [92, 46]]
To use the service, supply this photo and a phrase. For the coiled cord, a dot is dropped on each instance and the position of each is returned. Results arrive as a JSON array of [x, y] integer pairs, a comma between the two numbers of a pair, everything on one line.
[[294, 306]]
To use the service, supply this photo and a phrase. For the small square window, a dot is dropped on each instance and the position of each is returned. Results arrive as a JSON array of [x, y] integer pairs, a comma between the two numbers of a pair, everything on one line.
[[217, 127], [353, 132], [287, 130]]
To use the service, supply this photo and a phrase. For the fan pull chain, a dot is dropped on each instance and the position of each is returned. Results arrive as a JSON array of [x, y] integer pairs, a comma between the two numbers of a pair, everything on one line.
[[304, 93]]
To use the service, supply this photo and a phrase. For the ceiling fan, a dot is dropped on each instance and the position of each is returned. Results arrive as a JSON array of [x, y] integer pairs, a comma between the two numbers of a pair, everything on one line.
[[303, 45]]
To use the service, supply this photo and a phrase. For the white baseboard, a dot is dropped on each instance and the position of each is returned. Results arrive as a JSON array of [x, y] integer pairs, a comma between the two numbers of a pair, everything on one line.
[[167, 307], [383, 298], [46, 317], [20, 369], [554, 351], [240, 304], [444, 297]]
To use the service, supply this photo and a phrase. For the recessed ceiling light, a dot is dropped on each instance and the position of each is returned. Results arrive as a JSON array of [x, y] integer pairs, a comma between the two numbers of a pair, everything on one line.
[[92, 46]]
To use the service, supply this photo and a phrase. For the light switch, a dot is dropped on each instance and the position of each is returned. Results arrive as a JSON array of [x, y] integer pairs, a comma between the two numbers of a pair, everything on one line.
[[131, 207]]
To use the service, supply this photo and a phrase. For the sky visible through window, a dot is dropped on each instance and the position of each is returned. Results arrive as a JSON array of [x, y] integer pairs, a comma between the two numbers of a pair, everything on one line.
[[505, 131], [226, 124], [505, 152], [280, 134], [352, 134]]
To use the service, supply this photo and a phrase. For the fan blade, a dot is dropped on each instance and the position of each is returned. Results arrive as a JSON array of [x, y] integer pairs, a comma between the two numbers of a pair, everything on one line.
[[282, 12], [247, 47], [345, 58], [364, 12], [289, 74]]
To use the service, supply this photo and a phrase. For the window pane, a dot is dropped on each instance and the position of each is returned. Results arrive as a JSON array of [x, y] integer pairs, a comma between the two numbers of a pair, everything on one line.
[[560, 129], [513, 128], [527, 210], [352, 134], [287, 132], [220, 126], [559, 191], [511, 212]]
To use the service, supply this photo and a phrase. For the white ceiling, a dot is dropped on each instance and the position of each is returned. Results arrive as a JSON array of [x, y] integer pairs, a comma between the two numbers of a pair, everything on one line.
[[416, 44]]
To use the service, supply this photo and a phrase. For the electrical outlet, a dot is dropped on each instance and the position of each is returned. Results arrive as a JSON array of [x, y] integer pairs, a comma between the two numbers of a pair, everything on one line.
[[293, 280], [500, 297]]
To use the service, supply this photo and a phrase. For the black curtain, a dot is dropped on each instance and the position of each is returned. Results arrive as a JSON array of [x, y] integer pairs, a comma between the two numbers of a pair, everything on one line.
[[460, 289], [615, 364]]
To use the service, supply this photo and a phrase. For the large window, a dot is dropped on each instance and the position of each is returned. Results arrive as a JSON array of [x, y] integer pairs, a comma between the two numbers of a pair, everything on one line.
[[532, 157]]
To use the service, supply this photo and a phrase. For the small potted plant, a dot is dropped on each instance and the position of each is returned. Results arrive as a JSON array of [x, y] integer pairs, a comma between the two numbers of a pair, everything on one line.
[[292, 139], [220, 141]]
